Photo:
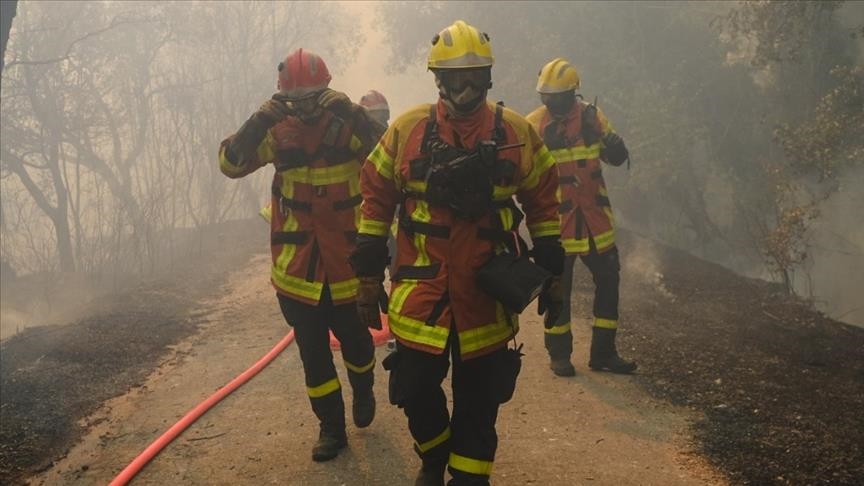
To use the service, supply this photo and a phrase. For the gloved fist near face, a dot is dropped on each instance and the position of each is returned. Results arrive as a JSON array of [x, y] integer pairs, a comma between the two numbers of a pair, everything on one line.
[[334, 100], [371, 301], [551, 300], [272, 112]]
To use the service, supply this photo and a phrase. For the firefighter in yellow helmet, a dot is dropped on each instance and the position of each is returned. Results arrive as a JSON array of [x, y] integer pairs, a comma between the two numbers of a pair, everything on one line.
[[316, 140], [580, 137], [453, 167]]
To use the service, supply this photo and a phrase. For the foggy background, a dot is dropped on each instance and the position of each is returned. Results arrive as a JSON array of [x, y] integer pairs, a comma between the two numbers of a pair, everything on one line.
[[745, 124]]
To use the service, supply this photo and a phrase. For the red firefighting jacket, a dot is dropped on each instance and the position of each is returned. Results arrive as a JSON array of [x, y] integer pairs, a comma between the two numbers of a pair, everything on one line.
[[438, 254], [315, 203], [586, 212]]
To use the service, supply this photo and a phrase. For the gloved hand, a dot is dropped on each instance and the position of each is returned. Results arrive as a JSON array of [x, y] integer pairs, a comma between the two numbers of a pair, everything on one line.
[[612, 139], [272, 112], [371, 301], [334, 100], [245, 143], [614, 151], [551, 300]]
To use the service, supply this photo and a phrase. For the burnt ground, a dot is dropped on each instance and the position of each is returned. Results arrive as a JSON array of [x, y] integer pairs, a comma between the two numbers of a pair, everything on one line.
[[779, 386]]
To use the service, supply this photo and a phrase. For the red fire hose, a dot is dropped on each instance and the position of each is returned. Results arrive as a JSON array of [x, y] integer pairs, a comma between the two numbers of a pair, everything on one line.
[[150, 452], [378, 337]]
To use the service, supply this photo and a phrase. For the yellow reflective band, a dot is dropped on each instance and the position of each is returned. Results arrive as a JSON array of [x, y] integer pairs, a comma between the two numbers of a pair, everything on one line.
[[360, 369], [421, 213], [415, 186], [606, 323], [562, 329], [602, 191], [545, 228], [468, 465], [344, 289], [417, 331], [382, 161], [355, 144], [506, 216], [372, 227], [503, 193], [265, 149], [483, 336], [579, 152], [572, 245], [543, 161], [295, 285], [322, 176], [443, 436], [604, 240], [326, 388], [227, 167], [608, 211]]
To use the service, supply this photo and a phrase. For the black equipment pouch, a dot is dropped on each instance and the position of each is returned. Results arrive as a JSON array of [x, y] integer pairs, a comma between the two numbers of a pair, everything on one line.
[[395, 385], [507, 372], [512, 279]]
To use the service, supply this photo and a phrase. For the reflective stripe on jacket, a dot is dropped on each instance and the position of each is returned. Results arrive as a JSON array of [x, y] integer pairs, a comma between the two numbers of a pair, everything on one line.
[[438, 254], [315, 204], [586, 212]]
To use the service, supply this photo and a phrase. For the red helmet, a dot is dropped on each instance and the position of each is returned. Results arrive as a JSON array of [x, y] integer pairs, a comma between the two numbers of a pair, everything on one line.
[[302, 74], [374, 100]]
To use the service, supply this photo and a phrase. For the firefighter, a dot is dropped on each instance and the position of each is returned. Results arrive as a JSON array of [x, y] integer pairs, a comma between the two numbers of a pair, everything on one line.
[[579, 137], [316, 140], [376, 104], [449, 226]]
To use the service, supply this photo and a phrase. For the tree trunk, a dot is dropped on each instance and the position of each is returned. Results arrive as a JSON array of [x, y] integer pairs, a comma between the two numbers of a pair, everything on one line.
[[8, 8]]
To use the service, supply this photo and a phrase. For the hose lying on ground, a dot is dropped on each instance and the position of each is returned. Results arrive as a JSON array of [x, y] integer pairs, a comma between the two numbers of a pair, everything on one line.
[[150, 452]]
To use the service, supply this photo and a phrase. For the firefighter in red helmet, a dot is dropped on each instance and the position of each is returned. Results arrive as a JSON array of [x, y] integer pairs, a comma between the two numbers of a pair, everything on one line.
[[376, 104], [316, 139]]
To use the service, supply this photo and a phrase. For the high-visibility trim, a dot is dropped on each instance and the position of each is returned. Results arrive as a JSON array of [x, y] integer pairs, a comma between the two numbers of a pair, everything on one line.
[[417, 331], [382, 161], [545, 228], [344, 289], [372, 227], [431, 444], [478, 338], [355, 144], [418, 187], [562, 329], [323, 176], [603, 192], [543, 161], [324, 389], [227, 167], [572, 245], [606, 323], [604, 240], [580, 152], [608, 211], [506, 216], [360, 369], [469, 465], [503, 193], [265, 149], [295, 285]]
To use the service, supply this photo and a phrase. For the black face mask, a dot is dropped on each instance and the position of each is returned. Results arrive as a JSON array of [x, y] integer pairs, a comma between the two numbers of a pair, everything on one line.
[[559, 104], [463, 90]]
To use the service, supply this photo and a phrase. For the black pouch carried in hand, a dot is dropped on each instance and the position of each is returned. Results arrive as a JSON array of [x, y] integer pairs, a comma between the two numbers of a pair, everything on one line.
[[504, 378], [513, 280]]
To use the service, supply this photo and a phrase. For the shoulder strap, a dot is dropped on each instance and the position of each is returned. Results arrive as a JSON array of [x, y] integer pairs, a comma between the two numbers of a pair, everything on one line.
[[499, 134], [431, 132]]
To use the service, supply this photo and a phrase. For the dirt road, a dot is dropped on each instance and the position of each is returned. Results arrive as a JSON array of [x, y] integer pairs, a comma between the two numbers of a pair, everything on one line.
[[596, 428]]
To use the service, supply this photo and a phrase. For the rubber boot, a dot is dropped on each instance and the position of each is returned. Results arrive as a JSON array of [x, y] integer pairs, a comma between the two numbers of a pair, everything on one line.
[[363, 407], [604, 355], [431, 473], [328, 446], [562, 367]]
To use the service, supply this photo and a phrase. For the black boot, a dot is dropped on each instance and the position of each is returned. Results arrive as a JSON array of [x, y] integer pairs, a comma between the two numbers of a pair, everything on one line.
[[363, 407], [562, 367], [431, 473], [604, 356], [328, 446]]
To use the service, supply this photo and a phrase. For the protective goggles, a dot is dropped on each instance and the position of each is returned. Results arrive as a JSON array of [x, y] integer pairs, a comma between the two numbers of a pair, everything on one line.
[[460, 79]]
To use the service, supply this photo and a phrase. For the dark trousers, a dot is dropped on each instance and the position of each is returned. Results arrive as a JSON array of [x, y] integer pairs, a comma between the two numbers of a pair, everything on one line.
[[312, 324], [605, 269], [467, 438]]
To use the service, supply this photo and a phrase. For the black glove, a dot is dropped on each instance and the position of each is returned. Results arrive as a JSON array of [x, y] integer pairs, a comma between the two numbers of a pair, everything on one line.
[[371, 301], [614, 151], [551, 301]]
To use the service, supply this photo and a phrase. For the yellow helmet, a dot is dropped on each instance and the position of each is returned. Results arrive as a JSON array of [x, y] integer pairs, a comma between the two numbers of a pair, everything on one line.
[[557, 76], [460, 46]]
